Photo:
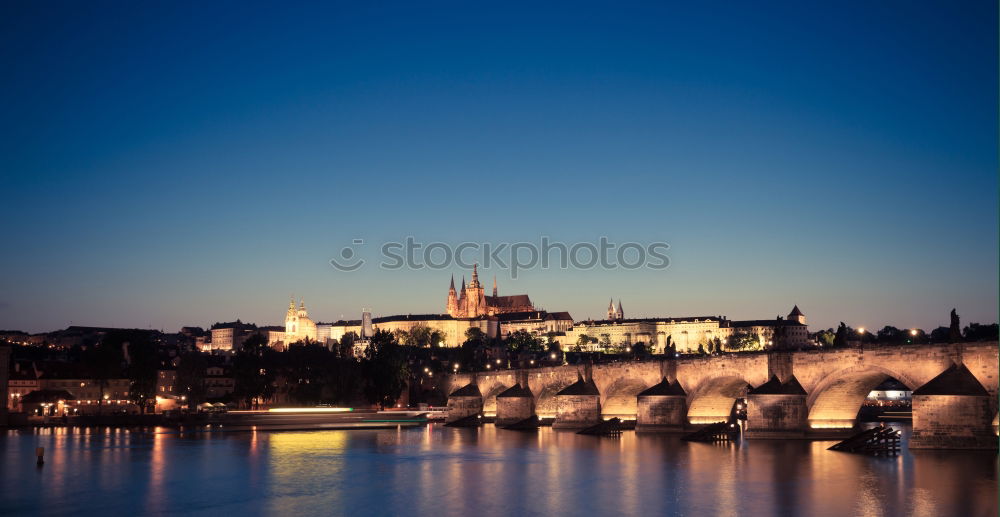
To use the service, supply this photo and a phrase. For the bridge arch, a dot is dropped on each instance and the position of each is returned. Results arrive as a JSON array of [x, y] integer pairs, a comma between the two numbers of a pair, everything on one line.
[[837, 398], [546, 405], [490, 398], [712, 400], [620, 398]]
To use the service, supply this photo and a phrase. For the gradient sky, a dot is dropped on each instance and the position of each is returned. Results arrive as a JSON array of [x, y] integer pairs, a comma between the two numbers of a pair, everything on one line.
[[178, 163]]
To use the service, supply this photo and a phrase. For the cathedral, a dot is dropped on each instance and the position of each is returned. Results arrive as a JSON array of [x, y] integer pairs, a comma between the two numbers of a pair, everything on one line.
[[472, 301]]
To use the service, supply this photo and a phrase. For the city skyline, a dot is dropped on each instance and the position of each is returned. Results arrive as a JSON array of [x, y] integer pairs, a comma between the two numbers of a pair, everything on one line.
[[269, 317], [156, 181]]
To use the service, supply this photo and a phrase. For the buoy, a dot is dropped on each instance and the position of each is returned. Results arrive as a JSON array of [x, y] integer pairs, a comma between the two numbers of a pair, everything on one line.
[[40, 452]]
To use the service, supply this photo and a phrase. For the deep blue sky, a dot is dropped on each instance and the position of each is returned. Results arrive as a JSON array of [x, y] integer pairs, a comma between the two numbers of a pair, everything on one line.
[[175, 164]]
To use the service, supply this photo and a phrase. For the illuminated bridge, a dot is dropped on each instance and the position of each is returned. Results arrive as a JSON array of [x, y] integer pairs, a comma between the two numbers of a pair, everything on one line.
[[788, 393]]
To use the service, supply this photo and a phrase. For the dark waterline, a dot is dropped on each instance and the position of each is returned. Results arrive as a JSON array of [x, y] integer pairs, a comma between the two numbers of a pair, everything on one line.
[[482, 472]]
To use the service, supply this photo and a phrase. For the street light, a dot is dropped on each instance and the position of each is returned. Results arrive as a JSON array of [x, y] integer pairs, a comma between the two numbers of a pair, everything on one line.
[[913, 332], [861, 330]]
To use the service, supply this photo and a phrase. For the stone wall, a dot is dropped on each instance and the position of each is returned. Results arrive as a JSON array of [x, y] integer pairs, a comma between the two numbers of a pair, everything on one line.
[[661, 413], [952, 422], [776, 416], [511, 410], [461, 407], [577, 411]]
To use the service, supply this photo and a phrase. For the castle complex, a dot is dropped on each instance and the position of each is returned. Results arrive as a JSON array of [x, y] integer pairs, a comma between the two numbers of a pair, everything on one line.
[[499, 316]]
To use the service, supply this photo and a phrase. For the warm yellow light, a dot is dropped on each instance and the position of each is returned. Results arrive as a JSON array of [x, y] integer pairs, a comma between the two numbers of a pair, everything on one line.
[[311, 410], [832, 424], [861, 330], [913, 332]]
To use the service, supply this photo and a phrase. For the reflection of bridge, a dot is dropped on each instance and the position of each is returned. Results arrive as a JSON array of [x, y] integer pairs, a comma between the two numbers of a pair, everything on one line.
[[834, 384]]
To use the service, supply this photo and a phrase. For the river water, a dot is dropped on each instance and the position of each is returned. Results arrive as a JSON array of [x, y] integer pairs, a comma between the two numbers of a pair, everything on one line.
[[435, 470]]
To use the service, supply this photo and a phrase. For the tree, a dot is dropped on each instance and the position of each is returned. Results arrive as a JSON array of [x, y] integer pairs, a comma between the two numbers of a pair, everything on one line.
[[940, 335], [744, 342], [582, 342], [825, 337], [341, 378], [386, 370], [701, 349], [191, 378], [522, 341], [890, 335], [605, 342], [139, 353], [104, 362], [419, 337], [977, 332], [345, 347], [476, 336], [253, 371], [305, 371]]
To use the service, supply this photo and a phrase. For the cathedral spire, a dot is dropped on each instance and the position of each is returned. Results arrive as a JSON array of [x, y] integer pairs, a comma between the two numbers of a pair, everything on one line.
[[452, 286], [475, 276], [463, 283], [494, 286]]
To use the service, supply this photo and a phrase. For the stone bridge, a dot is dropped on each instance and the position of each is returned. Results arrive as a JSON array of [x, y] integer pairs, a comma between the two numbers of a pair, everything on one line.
[[817, 389]]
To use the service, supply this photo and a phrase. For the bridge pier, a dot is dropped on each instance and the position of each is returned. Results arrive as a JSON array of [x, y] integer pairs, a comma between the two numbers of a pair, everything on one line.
[[777, 409], [662, 407], [514, 405], [578, 405], [463, 402], [952, 411]]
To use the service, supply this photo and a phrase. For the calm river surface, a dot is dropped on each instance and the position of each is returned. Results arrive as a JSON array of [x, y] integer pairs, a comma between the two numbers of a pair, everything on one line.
[[476, 472]]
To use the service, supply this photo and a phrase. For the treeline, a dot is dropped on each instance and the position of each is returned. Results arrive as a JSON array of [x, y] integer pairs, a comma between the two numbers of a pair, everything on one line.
[[843, 335]]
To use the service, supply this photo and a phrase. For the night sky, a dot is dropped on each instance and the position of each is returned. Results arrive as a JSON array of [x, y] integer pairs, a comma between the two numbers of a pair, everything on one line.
[[169, 164]]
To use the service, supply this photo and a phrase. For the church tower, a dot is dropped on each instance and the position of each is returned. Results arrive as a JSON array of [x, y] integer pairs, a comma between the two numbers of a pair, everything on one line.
[[494, 286], [619, 314], [475, 297], [796, 315], [611, 309], [452, 305], [291, 319]]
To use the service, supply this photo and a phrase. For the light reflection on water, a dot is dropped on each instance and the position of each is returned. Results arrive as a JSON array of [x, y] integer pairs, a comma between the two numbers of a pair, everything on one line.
[[437, 470]]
